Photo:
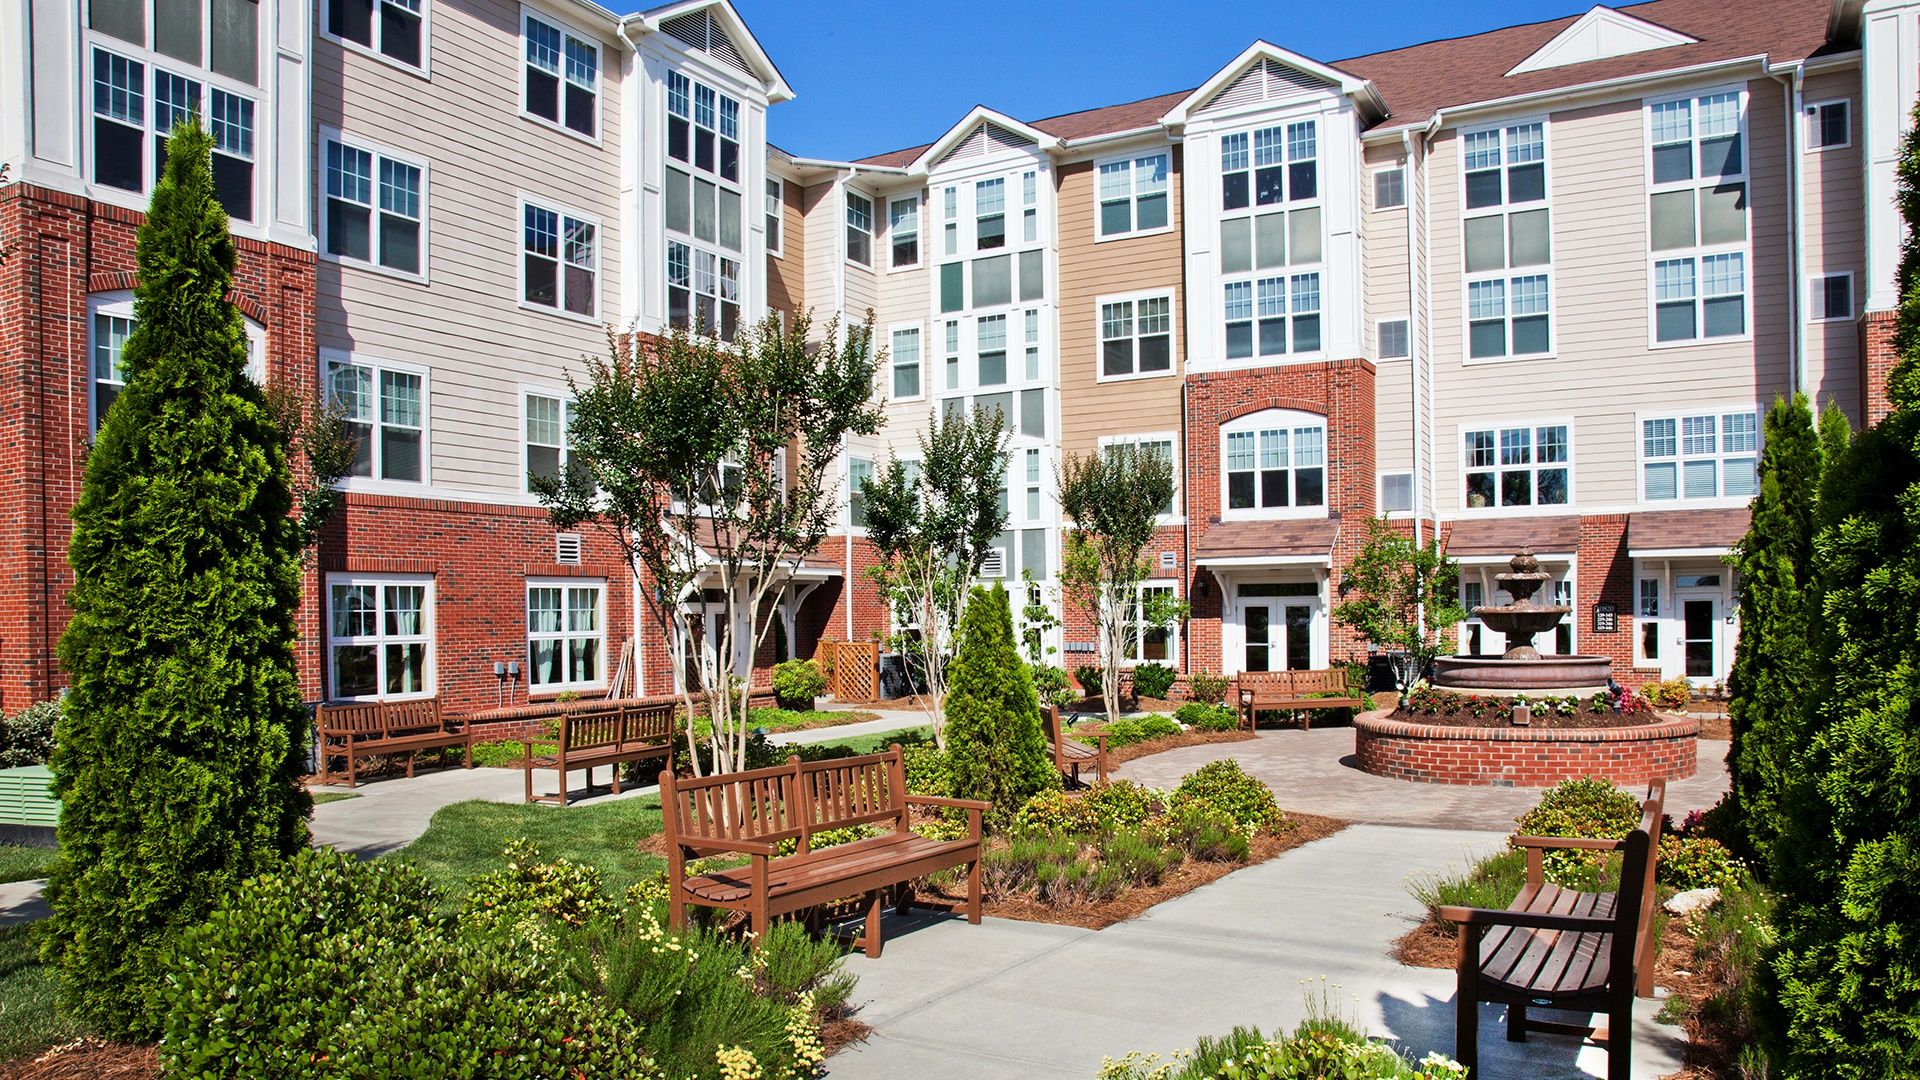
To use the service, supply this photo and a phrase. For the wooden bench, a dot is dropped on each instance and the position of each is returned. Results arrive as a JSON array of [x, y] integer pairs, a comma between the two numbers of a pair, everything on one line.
[[1299, 692], [1564, 949], [364, 729], [1070, 755], [751, 813], [612, 735]]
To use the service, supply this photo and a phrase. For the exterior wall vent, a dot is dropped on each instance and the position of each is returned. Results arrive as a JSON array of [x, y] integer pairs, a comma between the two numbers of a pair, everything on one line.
[[995, 564], [566, 549], [697, 30]]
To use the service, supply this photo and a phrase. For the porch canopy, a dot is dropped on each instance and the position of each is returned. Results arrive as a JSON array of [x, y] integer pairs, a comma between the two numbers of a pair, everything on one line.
[[1248, 544], [1681, 534], [1499, 539]]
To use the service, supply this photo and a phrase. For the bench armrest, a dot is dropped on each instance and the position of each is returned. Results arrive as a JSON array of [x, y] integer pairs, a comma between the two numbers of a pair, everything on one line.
[[1577, 843], [714, 846], [1532, 920], [941, 800]]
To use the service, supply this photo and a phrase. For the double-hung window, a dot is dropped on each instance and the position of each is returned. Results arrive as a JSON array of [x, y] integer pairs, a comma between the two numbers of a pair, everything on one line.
[[560, 261], [1508, 246], [1136, 336], [1133, 194], [393, 29], [1271, 240], [1276, 460], [859, 229], [1517, 466], [704, 207], [386, 417], [562, 77], [906, 363], [1158, 445], [776, 214], [376, 208], [990, 214], [379, 637], [549, 443], [112, 325], [565, 643], [1697, 215], [903, 229], [1708, 455], [1156, 643], [859, 475]]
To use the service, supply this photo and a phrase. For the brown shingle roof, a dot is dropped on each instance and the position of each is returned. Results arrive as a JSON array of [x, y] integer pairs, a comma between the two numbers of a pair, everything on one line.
[[1276, 539], [1669, 530], [1480, 537], [1417, 80]]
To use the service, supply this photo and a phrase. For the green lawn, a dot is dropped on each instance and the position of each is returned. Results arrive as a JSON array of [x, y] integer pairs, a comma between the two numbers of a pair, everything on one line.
[[29, 1020], [467, 839], [795, 719], [876, 742], [321, 798], [18, 863]]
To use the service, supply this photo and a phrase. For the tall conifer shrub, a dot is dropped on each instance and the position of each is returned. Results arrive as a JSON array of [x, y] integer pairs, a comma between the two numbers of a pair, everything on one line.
[[996, 749], [182, 742]]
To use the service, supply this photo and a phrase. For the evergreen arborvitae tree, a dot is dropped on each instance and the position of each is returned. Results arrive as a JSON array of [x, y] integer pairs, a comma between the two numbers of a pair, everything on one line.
[[1847, 971], [996, 749], [179, 754], [1772, 667]]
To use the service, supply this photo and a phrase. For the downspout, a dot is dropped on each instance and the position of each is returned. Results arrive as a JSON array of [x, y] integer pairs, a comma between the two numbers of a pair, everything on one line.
[[1792, 94], [1186, 509], [1413, 331]]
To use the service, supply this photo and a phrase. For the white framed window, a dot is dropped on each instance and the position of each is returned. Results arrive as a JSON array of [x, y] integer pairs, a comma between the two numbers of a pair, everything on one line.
[[703, 128], [1158, 443], [1390, 188], [1396, 492], [776, 216], [1273, 316], [561, 87], [379, 637], [1271, 218], [559, 261], [1830, 297], [1829, 125], [704, 209], [136, 101], [859, 474], [1132, 194], [703, 290], [1647, 619], [990, 213], [1698, 456], [1031, 479], [220, 36], [903, 231], [904, 357], [1392, 338], [393, 30], [1275, 465], [1507, 248], [566, 639], [1157, 643], [376, 207], [859, 229], [1697, 217], [386, 415], [1136, 336], [1519, 465], [109, 323], [547, 424]]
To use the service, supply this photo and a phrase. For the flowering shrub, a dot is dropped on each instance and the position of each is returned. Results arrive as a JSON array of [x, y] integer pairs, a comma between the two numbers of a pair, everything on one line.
[[1119, 804], [1226, 787], [1317, 1050], [1695, 862], [1588, 807]]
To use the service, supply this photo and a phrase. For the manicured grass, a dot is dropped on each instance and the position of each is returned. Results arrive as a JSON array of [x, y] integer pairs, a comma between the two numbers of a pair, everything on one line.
[[797, 719], [30, 1021], [20, 863], [467, 839], [507, 753], [321, 798], [876, 742]]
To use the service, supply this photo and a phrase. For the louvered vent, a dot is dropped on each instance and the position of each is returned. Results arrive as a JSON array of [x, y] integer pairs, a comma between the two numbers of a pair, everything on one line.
[[984, 140], [995, 564], [566, 549], [1264, 81], [697, 30]]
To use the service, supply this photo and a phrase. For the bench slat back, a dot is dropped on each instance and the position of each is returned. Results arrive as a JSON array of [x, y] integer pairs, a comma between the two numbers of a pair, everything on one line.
[[1294, 682], [590, 729], [412, 717], [1633, 903], [649, 723], [849, 791], [760, 804], [358, 718]]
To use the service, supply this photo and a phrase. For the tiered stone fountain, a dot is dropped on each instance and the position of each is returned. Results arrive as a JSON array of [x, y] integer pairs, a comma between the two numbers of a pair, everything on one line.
[[1522, 670]]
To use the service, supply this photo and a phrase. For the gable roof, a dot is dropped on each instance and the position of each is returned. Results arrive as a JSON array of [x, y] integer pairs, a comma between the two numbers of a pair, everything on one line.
[[1261, 52], [996, 123], [1419, 80], [714, 27], [1600, 34]]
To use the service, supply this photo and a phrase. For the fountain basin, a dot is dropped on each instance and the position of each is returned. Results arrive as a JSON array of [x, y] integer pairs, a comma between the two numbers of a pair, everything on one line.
[[1629, 755], [1497, 676]]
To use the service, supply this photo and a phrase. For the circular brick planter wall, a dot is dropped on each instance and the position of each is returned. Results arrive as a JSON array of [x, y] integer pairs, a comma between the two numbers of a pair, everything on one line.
[[1524, 756]]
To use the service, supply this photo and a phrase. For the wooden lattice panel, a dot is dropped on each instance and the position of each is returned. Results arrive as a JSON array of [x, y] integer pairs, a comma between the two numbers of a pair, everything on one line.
[[855, 667]]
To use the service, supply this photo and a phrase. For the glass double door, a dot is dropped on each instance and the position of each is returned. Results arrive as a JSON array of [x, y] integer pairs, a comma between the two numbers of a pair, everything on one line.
[[1279, 635]]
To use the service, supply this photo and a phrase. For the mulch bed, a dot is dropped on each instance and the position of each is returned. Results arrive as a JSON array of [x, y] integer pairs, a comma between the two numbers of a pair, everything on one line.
[[1174, 742], [1504, 718], [1714, 725], [89, 1059]]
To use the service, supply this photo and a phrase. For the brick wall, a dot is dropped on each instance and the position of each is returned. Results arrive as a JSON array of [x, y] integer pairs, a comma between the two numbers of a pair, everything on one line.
[[64, 248], [1877, 358], [1524, 757]]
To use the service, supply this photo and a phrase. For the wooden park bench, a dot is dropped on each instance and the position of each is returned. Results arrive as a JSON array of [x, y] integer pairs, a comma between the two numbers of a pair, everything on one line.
[[364, 729], [1070, 755], [1564, 949], [751, 813], [608, 735], [1299, 692]]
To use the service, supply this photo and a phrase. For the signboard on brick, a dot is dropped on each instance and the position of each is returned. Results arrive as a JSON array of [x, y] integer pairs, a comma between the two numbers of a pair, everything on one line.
[[1606, 618]]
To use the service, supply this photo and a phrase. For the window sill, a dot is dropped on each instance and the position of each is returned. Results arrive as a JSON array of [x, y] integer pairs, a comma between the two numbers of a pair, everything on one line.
[[548, 693], [1102, 377], [559, 313], [1533, 510], [1697, 343], [423, 72], [1489, 361], [375, 268], [1273, 515], [1137, 234], [590, 140], [366, 485]]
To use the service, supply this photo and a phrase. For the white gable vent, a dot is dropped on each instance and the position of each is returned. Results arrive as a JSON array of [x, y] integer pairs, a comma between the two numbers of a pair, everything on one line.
[[566, 549], [1265, 81], [698, 30], [985, 139], [995, 564]]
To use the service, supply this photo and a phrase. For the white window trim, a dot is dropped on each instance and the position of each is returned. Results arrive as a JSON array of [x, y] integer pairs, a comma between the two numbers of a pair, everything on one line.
[[565, 397], [1680, 500], [119, 304], [926, 370], [1507, 275], [424, 71], [1536, 508], [1810, 110], [1380, 356], [377, 485], [599, 74], [870, 456], [1173, 336], [1174, 639], [1246, 124], [520, 259], [874, 203], [373, 266], [919, 235], [1172, 439], [1380, 491], [1744, 248], [428, 617], [1288, 419], [1134, 196], [1817, 298], [1373, 181], [600, 623], [776, 247]]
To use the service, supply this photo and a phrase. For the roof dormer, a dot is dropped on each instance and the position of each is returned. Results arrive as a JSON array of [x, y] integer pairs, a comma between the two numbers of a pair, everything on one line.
[[1268, 73], [1601, 34]]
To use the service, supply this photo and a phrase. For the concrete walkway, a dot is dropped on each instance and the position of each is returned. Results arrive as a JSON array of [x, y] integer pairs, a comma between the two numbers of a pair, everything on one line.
[[1011, 999], [1314, 771]]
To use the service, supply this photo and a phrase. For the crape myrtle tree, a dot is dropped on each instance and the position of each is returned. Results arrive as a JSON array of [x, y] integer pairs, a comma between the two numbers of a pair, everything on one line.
[[1401, 596], [1114, 498], [1846, 976], [710, 464], [179, 753], [996, 749], [932, 526]]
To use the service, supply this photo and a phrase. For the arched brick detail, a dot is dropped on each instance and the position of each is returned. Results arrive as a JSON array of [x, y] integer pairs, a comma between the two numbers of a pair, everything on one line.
[[251, 308], [1317, 408], [124, 280]]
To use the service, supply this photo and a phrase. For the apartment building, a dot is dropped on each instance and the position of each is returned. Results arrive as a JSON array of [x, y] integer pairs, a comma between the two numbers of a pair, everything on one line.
[[1532, 287]]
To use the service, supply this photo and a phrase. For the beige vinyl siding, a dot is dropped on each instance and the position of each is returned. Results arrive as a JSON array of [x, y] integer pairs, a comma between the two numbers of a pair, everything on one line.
[[902, 297], [465, 325], [820, 215], [1604, 371], [787, 272], [1835, 231], [1387, 277], [1090, 270], [862, 291]]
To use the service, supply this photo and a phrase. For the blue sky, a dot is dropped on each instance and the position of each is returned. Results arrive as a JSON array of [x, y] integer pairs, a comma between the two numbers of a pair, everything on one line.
[[872, 77]]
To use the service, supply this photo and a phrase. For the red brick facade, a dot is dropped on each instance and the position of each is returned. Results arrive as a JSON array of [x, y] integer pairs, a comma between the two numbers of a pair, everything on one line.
[[1877, 358], [1524, 756]]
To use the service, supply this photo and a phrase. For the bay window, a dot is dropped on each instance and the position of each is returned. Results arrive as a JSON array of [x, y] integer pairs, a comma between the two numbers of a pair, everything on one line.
[[859, 229], [903, 229], [1697, 216], [1506, 226]]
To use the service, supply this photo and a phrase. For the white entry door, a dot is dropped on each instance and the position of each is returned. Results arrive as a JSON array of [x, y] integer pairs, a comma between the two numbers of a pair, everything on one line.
[[1278, 634], [1702, 620]]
